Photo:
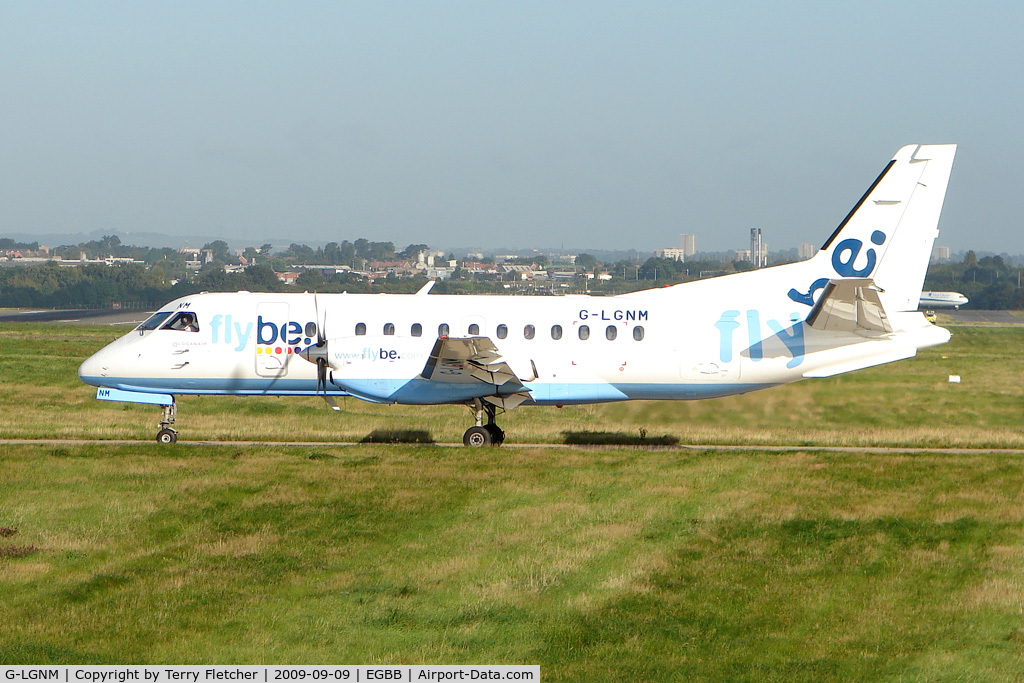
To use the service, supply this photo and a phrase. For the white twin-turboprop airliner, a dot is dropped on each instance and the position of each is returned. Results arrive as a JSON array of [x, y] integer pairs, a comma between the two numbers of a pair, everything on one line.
[[853, 305]]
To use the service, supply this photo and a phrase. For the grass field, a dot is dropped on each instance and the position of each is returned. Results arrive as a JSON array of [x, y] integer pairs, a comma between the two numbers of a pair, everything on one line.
[[598, 564]]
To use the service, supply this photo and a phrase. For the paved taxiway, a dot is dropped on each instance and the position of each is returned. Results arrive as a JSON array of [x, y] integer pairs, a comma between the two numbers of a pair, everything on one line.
[[678, 447], [74, 316], [968, 317]]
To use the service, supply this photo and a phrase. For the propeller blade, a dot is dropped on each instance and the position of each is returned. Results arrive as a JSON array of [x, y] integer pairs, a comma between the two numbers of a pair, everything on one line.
[[317, 353], [321, 335], [321, 375]]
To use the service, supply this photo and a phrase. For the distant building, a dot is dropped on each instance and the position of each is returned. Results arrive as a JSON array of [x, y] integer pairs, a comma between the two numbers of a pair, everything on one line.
[[196, 258], [758, 249], [671, 253], [687, 247], [806, 250], [941, 254], [425, 259], [439, 273], [518, 272]]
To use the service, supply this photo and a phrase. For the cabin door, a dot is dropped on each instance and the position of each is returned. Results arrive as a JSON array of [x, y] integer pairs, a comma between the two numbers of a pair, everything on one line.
[[273, 352]]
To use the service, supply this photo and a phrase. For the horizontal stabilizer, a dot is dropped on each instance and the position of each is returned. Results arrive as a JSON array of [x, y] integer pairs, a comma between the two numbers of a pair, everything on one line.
[[866, 361], [850, 305]]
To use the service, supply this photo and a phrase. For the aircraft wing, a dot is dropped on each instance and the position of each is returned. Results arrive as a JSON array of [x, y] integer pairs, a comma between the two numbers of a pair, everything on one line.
[[850, 305], [475, 359]]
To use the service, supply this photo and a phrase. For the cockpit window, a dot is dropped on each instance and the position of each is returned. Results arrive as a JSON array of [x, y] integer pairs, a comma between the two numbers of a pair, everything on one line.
[[154, 321], [183, 322]]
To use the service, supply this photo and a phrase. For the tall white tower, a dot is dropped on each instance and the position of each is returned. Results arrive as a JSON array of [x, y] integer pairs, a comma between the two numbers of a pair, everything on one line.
[[758, 249]]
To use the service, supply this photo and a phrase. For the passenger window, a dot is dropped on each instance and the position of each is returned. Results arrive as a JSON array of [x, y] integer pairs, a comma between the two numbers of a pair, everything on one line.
[[638, 333], [610, 332], [584, 332], [529, 331], [183, 322], [153, 321], [360, 329], [389, 328], [556, 331], [311, 329], [442, 330], [474, 329], [417, 330], [502, 331]]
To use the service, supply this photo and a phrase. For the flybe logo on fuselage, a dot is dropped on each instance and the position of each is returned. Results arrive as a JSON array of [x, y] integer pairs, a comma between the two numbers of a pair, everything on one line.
[[791, 336], [846, 264], [268, 333]]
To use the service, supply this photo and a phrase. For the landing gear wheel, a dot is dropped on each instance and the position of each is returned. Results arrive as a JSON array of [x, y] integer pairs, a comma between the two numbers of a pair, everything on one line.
[[497, 435], [166, 435], [477, 437]]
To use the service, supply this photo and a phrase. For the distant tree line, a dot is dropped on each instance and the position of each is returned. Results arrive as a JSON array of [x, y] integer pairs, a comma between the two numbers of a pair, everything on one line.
[[7, 244], [353, 254], [51, 286], [133, 285], [988, 282]]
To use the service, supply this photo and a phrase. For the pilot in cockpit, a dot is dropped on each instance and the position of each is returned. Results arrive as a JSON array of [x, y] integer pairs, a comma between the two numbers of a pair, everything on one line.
[[185, 322]]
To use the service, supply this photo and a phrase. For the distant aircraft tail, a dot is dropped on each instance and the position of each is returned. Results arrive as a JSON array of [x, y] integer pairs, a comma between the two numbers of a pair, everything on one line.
[[888, 235]]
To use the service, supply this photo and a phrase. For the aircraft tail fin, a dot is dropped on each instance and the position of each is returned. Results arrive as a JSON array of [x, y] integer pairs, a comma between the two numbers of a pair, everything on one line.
[[888, 235]]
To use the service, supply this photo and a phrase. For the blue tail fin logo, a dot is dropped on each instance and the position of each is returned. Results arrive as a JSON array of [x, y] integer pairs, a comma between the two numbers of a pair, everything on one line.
[[844, 259]]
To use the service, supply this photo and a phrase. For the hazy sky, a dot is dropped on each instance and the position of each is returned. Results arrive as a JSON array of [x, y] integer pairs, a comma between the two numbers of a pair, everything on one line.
[[593, 124]]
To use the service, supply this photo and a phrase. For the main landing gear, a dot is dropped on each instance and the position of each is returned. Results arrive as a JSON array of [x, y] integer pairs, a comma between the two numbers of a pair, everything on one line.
[[489, 434], [166, 433]]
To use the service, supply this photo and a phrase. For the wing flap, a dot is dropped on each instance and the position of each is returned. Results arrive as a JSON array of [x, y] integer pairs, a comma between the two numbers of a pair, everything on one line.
[[473, 359], [850, 305], [509, 402], [496, 373]]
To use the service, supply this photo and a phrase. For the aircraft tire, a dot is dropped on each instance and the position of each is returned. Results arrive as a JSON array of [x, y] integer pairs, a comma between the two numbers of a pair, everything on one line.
[[166, 436], [477, 437]]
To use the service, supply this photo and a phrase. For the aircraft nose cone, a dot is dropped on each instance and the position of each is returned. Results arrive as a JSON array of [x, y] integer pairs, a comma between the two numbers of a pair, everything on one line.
[[94, 369], [315, 352], [99, 366]]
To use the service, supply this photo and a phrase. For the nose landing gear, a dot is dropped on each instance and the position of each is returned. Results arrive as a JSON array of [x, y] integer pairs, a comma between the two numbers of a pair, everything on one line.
[[481, 434], [167, 434]]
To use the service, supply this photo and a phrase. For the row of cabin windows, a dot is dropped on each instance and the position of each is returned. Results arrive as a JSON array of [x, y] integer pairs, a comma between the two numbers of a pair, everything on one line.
[[529, 331]]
